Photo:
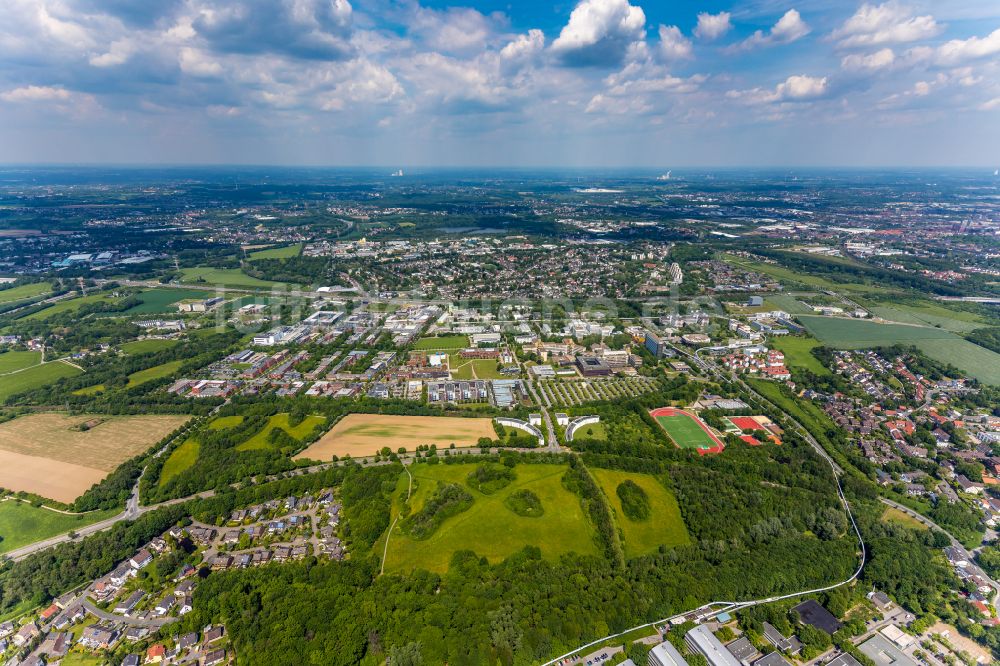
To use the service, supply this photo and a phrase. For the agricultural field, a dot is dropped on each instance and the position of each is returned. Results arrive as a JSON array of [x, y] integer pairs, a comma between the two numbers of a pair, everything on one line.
[[137, 347], [181, 458], [443, 342], [21, 523], [286, 252], [686, 430], [788, 303], [488, 527], [260, 440], [664, 527], [40, 453], [364, 434], [940, 345], [593, 390], [35, 377], [71, 305], [164, 300], [156, 372], [921, 317], [226, 277], [12, 361], [24, 292], [798, 352]]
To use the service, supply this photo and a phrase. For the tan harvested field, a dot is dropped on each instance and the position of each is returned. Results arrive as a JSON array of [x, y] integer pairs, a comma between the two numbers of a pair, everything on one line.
[[365, 434], [44, 454]]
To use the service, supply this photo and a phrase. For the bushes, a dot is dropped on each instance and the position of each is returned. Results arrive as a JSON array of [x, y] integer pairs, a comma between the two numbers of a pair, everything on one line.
[[449, 499], [488, 479], [635, 502], [524, 503], [578, 480]]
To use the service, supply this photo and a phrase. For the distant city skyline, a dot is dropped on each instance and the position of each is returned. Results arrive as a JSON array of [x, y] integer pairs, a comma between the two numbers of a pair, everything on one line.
[[588, 83]]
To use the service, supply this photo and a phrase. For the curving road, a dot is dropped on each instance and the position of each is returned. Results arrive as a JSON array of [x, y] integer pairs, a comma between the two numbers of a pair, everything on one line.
[[714, 608]]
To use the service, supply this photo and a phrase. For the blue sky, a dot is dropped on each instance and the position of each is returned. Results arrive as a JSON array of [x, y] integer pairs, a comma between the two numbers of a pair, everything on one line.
[[493, 82]]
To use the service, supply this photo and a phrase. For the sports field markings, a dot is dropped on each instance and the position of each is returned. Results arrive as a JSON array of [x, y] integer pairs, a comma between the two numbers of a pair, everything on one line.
[[687, 431]]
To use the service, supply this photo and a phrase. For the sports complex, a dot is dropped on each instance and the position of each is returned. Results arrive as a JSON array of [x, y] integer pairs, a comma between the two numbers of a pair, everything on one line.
[[687, 431]]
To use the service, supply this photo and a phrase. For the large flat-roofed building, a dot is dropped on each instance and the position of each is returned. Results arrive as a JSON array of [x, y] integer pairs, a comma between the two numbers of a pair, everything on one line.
[[665, 654], [703, 641], [592, 366], [881, 650]]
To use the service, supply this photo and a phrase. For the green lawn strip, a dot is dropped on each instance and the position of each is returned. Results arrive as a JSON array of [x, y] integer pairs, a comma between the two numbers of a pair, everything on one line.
[[34, 377], [285, 252], [155, 372], [18, 360], [224, 422], [443, 342], [22, 523], [798, 352], [24, 292], [665, 527], [894, 515], [147, 346], [226, 277], [70, 305], [90, 390], [164, 300], [181, 458], [260, 440], [491, 529]]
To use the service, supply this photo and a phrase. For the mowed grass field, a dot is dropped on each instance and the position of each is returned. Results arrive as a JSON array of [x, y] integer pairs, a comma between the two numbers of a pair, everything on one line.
[[23, 292], [443, 342], [664, 527], [181, 458], [156, 372], [227, 277], [164, 300], [894, 515], [476, 368], [137, 347], [47, 454], [18, 360], [286, 252], [489, 528], [365, 434], [259, 440], [21, 523], [224, 422], [939, 344], [34, 377], [798, 352]]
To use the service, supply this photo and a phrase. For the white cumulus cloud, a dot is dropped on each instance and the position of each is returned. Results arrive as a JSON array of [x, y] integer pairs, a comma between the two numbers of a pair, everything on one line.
[[600, 32], [712, 26], [36, 94], [888, 23], [796, 88], [673, 44], [789, 28], [871, 62]]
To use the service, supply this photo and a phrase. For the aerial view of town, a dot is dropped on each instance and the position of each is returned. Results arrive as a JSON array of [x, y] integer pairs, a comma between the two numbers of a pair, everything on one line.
[[498, 415]]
